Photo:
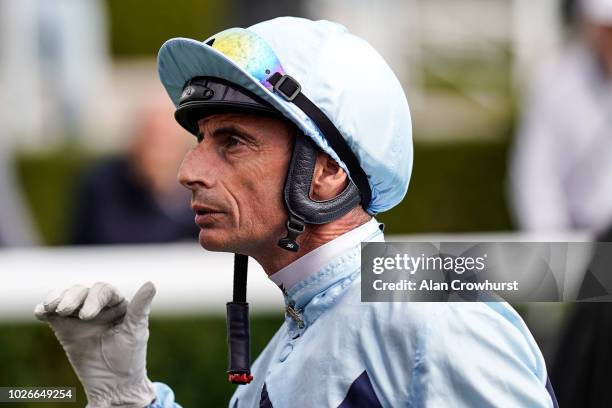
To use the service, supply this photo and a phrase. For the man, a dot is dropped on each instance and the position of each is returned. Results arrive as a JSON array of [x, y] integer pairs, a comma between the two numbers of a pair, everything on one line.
[[134, 198], [561, 179], [561, 172], [290, 170]]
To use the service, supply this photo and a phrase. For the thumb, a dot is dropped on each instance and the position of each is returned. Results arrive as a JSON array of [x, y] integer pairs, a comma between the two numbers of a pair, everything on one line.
[[138, 309]]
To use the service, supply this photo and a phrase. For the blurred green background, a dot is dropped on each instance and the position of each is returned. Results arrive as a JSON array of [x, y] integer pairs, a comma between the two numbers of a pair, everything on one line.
[[139, 28]]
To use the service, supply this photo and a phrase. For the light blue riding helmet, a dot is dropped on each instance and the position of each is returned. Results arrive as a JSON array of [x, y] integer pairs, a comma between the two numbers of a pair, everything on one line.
[[338, 72]]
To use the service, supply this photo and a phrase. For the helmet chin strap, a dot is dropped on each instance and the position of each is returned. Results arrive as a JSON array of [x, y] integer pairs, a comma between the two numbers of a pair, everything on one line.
[[303, 209]]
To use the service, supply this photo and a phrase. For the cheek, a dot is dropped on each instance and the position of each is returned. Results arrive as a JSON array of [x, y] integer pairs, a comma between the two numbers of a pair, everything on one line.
[[261, 203], [264, 194]]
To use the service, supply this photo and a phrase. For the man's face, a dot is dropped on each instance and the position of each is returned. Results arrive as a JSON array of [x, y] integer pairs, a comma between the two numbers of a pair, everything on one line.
[[236, 175]]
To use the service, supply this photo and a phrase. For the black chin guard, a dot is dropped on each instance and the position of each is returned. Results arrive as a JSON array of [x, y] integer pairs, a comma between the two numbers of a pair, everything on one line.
[[303, 209]]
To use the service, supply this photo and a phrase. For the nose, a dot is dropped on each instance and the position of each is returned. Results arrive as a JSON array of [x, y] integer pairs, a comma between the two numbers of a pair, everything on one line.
[[195, 170]]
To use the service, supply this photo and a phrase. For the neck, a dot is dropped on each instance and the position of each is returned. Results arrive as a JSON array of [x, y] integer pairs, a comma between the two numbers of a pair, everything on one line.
[[272, 260]]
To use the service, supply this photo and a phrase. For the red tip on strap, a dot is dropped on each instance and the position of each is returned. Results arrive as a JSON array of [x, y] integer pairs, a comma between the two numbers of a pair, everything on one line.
[[242, 378]]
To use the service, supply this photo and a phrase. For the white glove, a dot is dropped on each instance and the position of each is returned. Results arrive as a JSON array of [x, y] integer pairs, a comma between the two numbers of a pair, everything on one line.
[[105, 339]]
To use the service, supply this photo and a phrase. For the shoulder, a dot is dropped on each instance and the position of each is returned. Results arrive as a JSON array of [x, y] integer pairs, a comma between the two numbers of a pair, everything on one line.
[[494, 331], [460, 354], [432, 316], [445, 330]]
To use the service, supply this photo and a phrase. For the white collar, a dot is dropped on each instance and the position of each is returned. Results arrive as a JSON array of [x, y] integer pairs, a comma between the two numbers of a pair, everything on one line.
[[321, 256]]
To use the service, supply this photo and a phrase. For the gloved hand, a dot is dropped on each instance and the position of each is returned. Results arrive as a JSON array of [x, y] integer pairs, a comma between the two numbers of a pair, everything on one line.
[[105, 339]]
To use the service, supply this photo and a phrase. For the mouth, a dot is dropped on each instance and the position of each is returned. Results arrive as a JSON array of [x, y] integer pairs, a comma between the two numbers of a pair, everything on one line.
[[205, 216]]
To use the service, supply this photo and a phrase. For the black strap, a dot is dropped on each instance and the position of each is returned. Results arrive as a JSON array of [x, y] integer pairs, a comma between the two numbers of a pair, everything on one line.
[[238, 336], [291, 90], [241, 263]]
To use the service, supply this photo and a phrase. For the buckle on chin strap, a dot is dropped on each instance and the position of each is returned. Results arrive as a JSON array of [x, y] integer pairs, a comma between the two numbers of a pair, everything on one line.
[[287, 87], [295, 227]]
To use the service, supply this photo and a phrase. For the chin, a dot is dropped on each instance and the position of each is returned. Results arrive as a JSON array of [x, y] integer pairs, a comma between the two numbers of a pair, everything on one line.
[[215, 241]]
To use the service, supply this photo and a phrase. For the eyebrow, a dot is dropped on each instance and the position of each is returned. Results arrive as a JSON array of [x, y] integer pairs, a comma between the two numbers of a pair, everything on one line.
[[234, 130]]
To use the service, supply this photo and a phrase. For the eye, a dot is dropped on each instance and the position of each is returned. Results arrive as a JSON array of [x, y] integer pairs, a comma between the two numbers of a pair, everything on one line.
[[233, 141]]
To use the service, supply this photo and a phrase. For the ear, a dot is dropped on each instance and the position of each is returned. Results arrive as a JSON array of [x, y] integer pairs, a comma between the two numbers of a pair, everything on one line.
[[328, 179]]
